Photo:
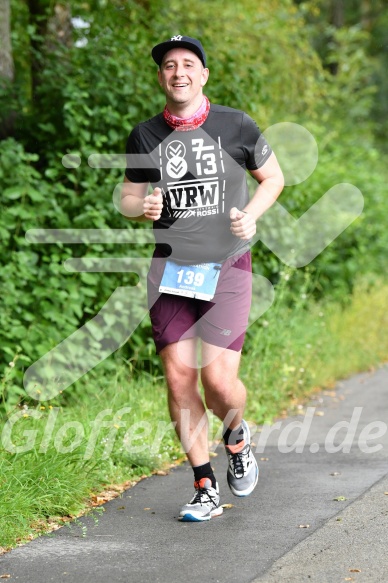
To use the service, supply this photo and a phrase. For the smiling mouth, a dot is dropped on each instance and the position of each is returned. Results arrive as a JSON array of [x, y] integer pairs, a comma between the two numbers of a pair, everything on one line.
[[180, 85]]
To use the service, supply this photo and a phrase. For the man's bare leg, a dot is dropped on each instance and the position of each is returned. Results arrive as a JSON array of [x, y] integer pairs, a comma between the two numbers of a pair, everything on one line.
[[224, 392], [226, 396], [184, 400]]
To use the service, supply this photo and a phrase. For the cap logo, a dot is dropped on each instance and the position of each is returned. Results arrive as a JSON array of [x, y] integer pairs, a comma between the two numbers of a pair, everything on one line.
[[177, 37]]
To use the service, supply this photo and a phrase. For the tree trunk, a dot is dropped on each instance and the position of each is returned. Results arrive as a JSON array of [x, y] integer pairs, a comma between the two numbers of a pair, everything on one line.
[[337, 13], [53, 24], [337, 19], [7, 116], [6, 60]]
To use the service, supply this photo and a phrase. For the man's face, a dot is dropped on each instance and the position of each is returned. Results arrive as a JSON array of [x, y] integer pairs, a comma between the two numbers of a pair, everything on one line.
[[182, 76]]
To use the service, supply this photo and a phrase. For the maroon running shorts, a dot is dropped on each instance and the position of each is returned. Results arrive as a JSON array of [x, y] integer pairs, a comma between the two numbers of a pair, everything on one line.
[[222, 321]]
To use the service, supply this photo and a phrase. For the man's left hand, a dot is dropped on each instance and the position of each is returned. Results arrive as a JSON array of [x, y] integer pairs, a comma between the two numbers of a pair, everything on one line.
[[243, 225]]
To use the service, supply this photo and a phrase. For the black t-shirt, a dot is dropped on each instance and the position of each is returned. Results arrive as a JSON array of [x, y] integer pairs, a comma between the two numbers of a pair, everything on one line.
[[202, 174]]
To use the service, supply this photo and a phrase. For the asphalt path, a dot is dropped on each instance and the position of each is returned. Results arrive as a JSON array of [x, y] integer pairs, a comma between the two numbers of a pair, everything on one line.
[[319, 512]]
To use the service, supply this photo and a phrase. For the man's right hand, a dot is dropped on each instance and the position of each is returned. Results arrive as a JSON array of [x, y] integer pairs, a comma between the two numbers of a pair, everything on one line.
[[153, 205]]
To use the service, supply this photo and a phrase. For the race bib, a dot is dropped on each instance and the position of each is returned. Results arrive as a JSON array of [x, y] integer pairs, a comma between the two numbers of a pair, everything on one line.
[[193, 281]]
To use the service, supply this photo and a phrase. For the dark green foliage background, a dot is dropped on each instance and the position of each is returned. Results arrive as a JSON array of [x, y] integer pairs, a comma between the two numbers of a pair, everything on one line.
[[271, 61]]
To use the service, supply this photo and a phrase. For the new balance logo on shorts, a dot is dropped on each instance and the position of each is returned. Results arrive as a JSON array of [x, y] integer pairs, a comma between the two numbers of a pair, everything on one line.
[[226, 332]]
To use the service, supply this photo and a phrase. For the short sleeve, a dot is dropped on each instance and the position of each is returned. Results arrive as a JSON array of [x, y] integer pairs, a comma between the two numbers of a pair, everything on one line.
[[134, 147], [255, 146]]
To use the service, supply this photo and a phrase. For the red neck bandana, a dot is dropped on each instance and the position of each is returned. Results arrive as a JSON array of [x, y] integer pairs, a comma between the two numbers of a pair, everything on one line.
[[193, 122]]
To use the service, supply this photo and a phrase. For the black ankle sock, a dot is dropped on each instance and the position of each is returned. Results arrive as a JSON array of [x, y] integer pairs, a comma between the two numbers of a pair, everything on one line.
[[204, 471], [233, 436]]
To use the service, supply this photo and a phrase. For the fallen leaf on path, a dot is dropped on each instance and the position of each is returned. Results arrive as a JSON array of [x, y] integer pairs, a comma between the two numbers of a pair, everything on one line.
[[161, 473], [336, 474], [319, 413], [213, 454], [147, 509], [5, 576], [339, 499], [227, 505], [348, 579], [386, 493], [264, 459], [304, 526], [354, 570]]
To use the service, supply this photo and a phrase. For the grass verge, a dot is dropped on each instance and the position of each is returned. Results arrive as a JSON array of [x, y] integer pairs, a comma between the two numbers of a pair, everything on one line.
[[300, 345]]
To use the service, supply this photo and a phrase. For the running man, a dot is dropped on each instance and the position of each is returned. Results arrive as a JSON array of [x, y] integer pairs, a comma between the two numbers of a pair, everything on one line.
[[199, 283]]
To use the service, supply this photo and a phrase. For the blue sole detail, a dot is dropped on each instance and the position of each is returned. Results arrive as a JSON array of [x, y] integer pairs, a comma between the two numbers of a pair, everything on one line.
[[192, 518]]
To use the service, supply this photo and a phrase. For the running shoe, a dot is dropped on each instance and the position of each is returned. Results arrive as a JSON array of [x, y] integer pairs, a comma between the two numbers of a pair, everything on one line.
[[205, 503], [243, 471]]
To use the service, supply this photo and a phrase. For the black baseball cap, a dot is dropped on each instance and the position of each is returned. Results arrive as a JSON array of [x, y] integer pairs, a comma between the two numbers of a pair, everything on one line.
[[178, 41]]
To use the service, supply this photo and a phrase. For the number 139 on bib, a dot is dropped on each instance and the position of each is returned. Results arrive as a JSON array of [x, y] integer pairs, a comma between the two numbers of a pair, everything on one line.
[[194, 281]]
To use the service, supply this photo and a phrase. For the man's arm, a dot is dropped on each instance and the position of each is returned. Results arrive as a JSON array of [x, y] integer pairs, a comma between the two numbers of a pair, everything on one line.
[[136, 205], [271, 183]]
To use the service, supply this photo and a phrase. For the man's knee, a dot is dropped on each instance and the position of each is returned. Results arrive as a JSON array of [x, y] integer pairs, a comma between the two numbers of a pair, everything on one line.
[[179, 376], [179, 379], [217, 388]]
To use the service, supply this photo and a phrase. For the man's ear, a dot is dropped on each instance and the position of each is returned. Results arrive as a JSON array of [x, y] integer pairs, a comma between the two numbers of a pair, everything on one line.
[[204, 76]]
